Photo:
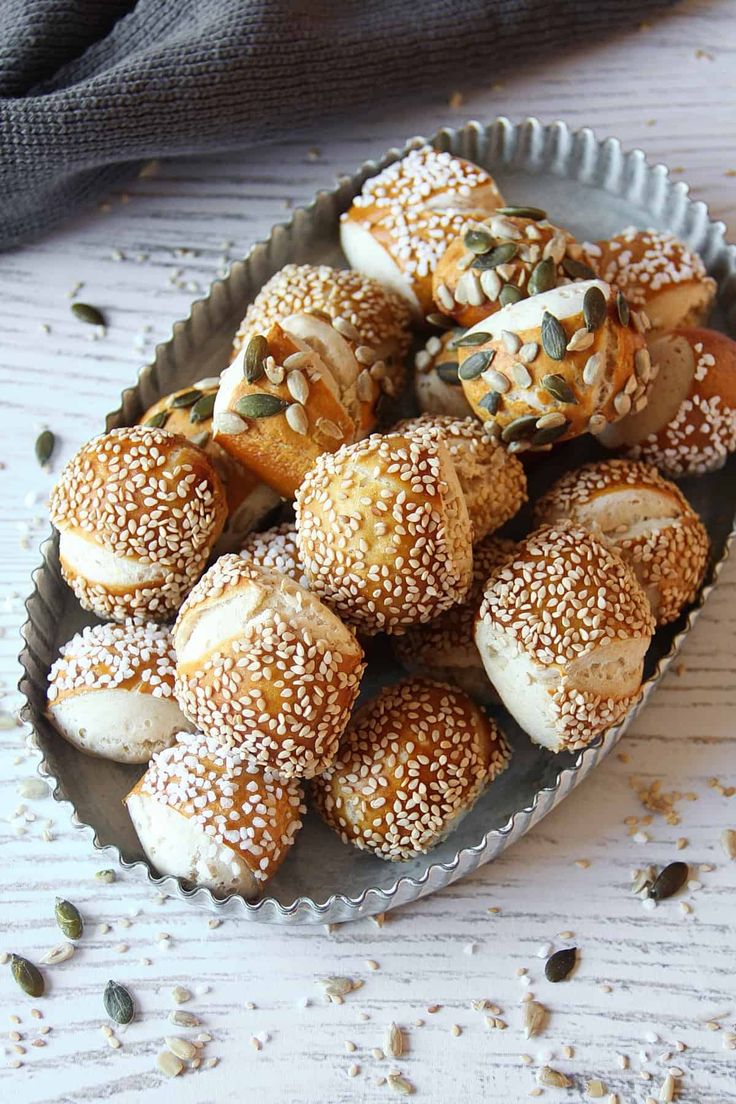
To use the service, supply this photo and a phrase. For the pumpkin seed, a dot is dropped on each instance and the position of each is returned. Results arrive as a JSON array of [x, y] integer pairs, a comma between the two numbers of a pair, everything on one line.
[[543, 277], [118, 1003], [669, 881], [202, 409], [85, 313], [622, 306], [554, 339], [157, 421], [471, 368], [27, 976], [535, 1018], [502, 254], [441, 321], [510, 294], [187, 398], [594, 308], [69, 919], [478, 240], [535, 213], [467, 340], [576, 270], [558, 388], [549, 433], [448, 372], [553, 1078], [255, 354], [561, 964], [45, 443], [520, 428], [260, 406], [491, 401]]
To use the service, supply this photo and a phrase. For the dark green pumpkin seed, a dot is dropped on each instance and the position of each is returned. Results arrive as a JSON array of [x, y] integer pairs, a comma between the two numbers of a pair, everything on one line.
[[467, 340], [260, 406], [202, 409], [255, 355], [187, 398], [442, 321], [27, 976], [549, 434], [476, 363], [491, 401], [561, 964], [543, 277], [520, 428], [157, 421], [118, 1003], [622, 306], [594, 308], [448, 373], [554, 339], [669, 881], [502, 254], [85, 313], [535, 213], [69, 919], [478, 239], [576, 270], [510, 294], [45, 446], [558, 388]]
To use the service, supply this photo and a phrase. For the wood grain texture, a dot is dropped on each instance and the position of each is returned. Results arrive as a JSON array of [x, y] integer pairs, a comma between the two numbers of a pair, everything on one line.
[[670, 89]]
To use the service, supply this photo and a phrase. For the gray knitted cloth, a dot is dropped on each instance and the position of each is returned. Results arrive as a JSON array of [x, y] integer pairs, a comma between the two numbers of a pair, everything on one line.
[[91, 88]]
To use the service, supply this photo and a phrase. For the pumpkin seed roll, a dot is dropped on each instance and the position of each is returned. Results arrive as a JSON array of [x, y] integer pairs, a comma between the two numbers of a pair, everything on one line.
[[437, 387], [561, 363], [413, 762], [406, 216], [138, 511]]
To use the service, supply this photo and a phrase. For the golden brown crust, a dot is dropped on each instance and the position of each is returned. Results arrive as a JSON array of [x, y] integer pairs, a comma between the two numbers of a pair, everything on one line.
[[138, 658]]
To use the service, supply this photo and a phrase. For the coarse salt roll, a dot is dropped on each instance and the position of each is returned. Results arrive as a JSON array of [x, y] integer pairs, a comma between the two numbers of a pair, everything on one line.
[[437, 386], [492, 480], [384, 533], [445, 648], [111, 691], [138, 511], [205, 814], [413, 762], [264, 665], [514, 253], [563, 630], [659, 275], [689, 426], [562, 363], [405, 217], [276, 549], [645, 519]]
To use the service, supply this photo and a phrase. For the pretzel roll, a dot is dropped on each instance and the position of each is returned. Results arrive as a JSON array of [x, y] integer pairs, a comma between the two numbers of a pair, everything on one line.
[[492, 480], [659, 275], [689, 426], [437, 386], [111, 691], [276, 550], [554, 366], [562, 630], [189, 412], [405, 217], [413, 762], [501, 260], [263, 664], [445, 648], [138, 511], [645, 519], [384, 533], [204, 814]]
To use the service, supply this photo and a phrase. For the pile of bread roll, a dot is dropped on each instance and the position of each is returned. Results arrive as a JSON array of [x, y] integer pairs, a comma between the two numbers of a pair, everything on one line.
[[229, 656]]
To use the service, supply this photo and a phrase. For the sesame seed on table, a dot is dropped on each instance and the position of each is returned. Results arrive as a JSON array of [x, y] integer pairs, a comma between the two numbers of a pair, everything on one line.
[[651, 991]]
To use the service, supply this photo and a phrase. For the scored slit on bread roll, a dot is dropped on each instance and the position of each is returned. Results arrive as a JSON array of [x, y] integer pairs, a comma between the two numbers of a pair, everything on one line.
[[111, 691], [563, 630], [138, 511], [384, 533], [203, 813], [413, 762], [437, 387], [264, 665], [562, 363], [405, 217], [645, 519]]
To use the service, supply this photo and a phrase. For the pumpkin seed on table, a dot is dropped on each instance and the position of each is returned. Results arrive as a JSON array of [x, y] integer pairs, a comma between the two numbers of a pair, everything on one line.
[[255, 356], [187, 398], [69, 919], [500, 255], [543, 277], [594, 308], [45, 443], [467, 340], [118, 1003], [560, 965], [554, 338], [27, 976], [86, 313], [476, 363], [669, 880], [535, 213], [203, 408]]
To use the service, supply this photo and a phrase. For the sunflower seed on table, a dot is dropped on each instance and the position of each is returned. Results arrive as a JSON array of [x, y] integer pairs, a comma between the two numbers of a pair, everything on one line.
[[33, 789], [535, 1017], [595, 1089], [44, 446], [728, 842], [169, 1064], [180, 995], [399, 1084], [182, 1048], [61, 953], [552, 1078], [183, 1019], [394, 1045]]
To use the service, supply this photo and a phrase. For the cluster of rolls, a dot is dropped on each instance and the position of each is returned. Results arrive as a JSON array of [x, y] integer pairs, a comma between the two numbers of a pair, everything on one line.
[[230, 656]]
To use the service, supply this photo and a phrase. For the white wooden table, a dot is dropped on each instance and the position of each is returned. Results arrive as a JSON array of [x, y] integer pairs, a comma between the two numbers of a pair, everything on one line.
[[646, 980]]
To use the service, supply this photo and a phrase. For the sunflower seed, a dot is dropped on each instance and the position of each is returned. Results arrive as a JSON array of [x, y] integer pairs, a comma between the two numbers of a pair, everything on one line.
[[394, 1045], [475, 364], [728, 842], [522, 375], [297, 418], [260, 405], [512, 341], [510, 294], [592, 370], [555, 248], [474, 290], [157, 421], [490, 282], [69, 919], [595, 1089], [500, 255], [643, 364], [27, 976], [622, 306], [363, 354], [58, 954], [364, 387], [594, 308], [561, 964], [346, 328], [399, 1084], [448, 372], [378, 370], [534, 1018], [330, 428], [118, 1003], [552, 1078], [337, 987], [554, 339], [203, 408], [543, 277], [45, 446], [229, 423], [209, 383], [558, 388], [186, 398], [300, 360], [169, 1064], [180, 994], [669, 881], [502, 227], [460, 293], [597, 423], [622, 404], [576, 270], [444, 297], [297, 386], [182, 1048], [85, 313], [496, 381], [183, 1019], [468, 340], [520, 428], [477, 239]]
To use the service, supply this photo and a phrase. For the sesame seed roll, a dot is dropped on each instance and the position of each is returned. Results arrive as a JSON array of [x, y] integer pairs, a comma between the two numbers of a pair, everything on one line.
[[276, 549], [645, 518], [562, 630], [205, 814], [263, 664], [384, 533], [405, 217], [437, 387], [111, 691], [138, 511], [412, 763]]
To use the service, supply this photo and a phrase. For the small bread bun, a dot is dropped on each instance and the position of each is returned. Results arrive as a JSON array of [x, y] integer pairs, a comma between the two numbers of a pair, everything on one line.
[[405, 217], [645, 519], [139, 511], [562, 631], [503, 259], [445, 648], [202, 813], [492, 480], [413, 762], [276, 550], [437, 386], [263, 664], [689, 426], [553, 366], [111, 691], [658, 275], [384, 533]]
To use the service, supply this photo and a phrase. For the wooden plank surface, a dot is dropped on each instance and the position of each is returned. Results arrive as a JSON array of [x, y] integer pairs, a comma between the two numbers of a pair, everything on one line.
[[646, 980]]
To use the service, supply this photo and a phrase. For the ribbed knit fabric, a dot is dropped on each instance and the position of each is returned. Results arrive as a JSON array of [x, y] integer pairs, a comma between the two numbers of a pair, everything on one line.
[[91, 88]]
